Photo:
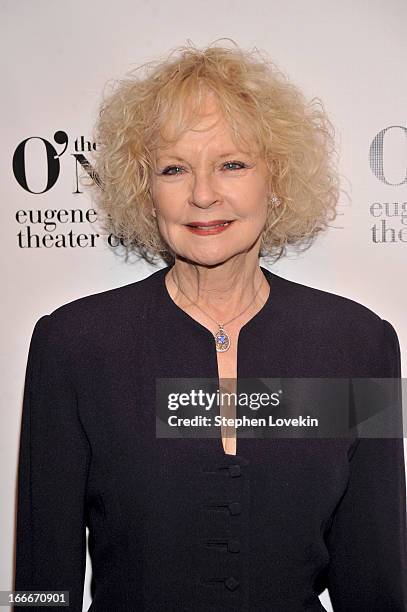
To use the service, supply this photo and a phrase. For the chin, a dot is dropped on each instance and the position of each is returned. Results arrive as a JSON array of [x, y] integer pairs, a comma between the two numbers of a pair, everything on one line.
[[210, 257]]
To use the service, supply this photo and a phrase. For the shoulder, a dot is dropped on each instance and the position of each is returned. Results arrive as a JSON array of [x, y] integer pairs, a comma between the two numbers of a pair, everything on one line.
[[327, 319], [326, 307], [104, 315], [117, 301]]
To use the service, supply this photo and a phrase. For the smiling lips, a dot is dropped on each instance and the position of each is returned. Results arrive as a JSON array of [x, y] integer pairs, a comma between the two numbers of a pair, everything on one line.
[[211, 227]]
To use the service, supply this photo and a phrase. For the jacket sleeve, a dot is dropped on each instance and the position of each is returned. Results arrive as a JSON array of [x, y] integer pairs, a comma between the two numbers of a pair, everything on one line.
[[367, 540], [54, 456]]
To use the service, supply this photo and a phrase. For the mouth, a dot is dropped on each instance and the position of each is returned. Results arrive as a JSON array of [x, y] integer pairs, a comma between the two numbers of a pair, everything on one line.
[[199, 228], [210, 224]]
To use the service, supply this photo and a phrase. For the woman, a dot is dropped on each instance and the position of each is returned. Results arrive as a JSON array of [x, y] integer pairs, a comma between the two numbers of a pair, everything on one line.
[[209, 160]]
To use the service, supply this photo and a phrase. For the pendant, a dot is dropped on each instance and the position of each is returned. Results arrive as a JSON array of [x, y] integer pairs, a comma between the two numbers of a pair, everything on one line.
[[222, 340]]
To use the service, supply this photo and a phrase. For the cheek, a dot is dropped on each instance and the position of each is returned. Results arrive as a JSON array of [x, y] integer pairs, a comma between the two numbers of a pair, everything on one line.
[[254, 204], [164, 202], [168, 199], [252, 193]]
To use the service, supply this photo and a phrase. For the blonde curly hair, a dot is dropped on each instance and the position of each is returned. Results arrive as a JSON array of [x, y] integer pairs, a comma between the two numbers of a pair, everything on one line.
[[295, 138]]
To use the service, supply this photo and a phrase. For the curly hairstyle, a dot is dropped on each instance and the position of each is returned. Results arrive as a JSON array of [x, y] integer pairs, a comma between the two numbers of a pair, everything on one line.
[[295, 138]]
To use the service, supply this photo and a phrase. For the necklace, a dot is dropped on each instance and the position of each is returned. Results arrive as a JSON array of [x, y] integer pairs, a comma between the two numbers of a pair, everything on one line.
[[222, 338]]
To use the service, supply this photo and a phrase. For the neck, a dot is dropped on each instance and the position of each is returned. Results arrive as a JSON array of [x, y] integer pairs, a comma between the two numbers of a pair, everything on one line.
[[221, 291]]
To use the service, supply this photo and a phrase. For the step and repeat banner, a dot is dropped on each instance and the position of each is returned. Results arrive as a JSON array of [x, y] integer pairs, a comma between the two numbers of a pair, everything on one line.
[[58, 58]]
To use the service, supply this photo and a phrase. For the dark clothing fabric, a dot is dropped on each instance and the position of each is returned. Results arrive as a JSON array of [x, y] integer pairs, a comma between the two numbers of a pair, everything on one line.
[[176, 524]]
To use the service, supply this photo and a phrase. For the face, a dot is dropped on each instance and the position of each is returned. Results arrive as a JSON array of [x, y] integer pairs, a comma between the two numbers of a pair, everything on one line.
[[203, 178]]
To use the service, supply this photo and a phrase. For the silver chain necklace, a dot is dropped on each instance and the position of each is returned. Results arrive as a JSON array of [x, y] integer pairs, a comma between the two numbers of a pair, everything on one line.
[[222, 339]]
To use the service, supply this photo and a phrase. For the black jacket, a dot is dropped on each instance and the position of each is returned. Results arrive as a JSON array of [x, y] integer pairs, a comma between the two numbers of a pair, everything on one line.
[[175, 524]]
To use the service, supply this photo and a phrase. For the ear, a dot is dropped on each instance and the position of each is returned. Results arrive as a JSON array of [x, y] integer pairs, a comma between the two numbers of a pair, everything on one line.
[[153, 212]]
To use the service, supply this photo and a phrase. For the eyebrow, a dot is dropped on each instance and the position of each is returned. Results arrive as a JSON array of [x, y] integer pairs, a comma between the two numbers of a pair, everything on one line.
[[180, 159]]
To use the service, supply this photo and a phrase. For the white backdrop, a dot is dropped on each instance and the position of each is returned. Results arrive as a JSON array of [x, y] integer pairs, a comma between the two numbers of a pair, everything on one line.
[[56, 58]]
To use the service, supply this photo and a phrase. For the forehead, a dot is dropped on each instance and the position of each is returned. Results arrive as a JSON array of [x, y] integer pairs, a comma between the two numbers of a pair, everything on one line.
[[203, 124], [214, 139]]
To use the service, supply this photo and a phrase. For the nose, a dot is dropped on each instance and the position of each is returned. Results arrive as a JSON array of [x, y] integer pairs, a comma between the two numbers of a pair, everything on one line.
[[203, 191]]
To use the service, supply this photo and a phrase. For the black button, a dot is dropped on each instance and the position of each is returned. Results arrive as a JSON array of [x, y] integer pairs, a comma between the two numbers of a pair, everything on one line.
[[231, 583], [235, 508], [234, 546], [235, 471]]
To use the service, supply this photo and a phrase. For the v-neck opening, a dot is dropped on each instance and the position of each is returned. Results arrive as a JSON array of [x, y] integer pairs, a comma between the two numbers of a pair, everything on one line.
[[255, 319]]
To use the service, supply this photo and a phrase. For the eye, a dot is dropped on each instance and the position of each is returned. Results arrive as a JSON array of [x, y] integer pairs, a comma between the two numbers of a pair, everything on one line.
[[234, 163], [168, 170]]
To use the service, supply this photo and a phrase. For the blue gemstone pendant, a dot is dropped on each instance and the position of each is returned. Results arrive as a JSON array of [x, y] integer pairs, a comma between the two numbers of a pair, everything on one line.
[[222, 340]]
